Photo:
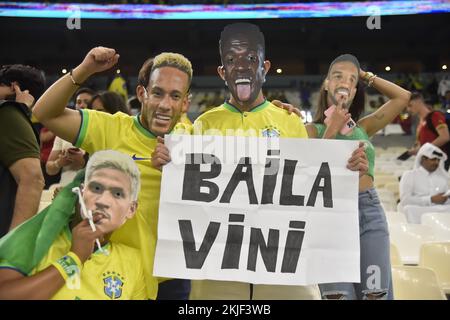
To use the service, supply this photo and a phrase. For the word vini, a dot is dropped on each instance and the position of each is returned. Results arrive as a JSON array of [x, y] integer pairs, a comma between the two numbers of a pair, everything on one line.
[[232, 253]]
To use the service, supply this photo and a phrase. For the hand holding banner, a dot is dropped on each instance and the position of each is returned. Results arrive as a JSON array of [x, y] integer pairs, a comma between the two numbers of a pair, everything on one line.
[[258, 210]]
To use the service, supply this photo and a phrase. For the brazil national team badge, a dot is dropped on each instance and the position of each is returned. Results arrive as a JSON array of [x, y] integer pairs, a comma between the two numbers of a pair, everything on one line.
[[112, 285], [270, 131]]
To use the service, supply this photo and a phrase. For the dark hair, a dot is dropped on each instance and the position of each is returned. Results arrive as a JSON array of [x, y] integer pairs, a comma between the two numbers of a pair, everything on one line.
[[112, 102], [417, 96], [84, 90], [356, 108], [28, 78], [347, 57], [242, 28], [144, 73], [134, 103]]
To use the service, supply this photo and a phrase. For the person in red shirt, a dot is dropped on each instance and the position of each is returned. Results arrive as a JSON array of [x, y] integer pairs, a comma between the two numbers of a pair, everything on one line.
[[440, 136]]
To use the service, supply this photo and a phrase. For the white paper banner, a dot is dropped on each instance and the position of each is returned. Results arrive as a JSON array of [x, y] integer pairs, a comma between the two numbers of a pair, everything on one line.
[[258, 210]]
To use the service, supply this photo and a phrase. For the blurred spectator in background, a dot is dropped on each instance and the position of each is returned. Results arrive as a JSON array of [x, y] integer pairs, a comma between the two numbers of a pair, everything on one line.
[[109, 102], [431, 91], [119, 86], [432, 127], [65, 159], [416, 83], [21, 179], [405, 121], [424, 188], [444, 86], [402, 80], [184, 121]]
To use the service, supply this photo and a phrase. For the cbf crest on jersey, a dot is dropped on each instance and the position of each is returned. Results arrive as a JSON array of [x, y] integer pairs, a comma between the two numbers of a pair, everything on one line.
[[270, 131], [112, 285]]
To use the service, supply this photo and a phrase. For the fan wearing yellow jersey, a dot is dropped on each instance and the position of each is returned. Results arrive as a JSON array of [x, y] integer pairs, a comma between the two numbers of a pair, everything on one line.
[[247, 113], [72, 268], [244, 69], [163, 91]]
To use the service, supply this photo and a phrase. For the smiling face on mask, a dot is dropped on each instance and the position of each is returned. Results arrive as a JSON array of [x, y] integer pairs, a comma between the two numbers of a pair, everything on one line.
[[164, 99], [341, 83], [243, 69]]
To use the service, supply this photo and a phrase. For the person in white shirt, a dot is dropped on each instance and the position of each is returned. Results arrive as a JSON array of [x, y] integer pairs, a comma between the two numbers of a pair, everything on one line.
[[426, 187], [66, 158], [444, 86]]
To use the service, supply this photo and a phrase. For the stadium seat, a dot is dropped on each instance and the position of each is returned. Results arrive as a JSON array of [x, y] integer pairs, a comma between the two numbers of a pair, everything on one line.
[[415, 283], [382, 180], [395, 256], [439, 222], [394, 217], [408, 238], [394, 188], [436, 256], [396, 150], [385, 195], [388, 205], [383, 171], [393, 128]]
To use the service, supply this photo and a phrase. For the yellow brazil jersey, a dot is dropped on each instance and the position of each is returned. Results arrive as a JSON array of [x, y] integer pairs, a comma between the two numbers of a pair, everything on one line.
[[264, 120], [117, 276], [185, 119], [182, 127], [124, 133]]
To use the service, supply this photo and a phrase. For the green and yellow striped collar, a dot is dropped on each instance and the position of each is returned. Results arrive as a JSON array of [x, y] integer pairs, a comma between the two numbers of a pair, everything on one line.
[[257, 108], [141, 128]]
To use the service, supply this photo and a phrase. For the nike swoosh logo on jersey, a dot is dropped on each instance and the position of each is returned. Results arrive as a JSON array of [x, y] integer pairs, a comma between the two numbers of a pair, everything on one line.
[[138, 158]]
